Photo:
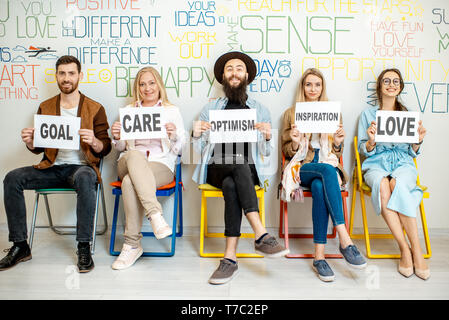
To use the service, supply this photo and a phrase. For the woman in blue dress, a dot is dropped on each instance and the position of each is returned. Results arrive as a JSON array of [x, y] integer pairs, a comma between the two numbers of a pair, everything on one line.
[[391, 174]]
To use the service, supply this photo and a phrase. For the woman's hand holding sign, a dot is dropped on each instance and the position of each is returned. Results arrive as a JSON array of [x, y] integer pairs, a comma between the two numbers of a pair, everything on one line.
[[421, 132], [171, 130], [339, 135], [296, 137], [371, 131], [115, 130]]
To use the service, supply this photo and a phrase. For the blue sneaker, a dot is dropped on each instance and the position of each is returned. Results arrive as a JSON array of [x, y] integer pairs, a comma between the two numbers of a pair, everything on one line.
[[323, 270], [353, 257]]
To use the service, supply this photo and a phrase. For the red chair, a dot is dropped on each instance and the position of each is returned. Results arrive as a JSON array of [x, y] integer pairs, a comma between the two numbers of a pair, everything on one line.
[[283, 224]]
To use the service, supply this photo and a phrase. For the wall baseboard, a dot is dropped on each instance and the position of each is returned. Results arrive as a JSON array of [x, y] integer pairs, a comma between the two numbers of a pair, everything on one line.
[[193, 231]]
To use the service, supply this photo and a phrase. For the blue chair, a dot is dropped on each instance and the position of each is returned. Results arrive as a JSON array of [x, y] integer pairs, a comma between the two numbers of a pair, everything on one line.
[[165, 191]]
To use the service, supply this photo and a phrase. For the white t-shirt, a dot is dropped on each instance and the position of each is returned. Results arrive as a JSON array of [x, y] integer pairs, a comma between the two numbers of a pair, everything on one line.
[[70, 156], [315, 141]]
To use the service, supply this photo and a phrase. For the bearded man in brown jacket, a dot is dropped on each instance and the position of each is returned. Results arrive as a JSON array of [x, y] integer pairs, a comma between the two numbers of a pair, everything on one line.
[[61, 168]]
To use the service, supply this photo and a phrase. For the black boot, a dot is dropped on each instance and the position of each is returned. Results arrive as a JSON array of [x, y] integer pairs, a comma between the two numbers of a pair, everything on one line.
[[15, 255], [85, 262]]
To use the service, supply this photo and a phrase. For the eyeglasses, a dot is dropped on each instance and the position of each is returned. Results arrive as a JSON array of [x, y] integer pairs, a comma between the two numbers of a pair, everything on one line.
[[387, 81]]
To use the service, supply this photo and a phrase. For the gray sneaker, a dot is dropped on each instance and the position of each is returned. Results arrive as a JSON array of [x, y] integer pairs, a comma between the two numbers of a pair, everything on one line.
[[224, 273], [353, 257], [323, 270], [269, 247]]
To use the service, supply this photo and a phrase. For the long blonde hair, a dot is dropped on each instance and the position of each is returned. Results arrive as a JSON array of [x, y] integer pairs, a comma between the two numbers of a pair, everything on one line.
[[300, 96], [159, 82]]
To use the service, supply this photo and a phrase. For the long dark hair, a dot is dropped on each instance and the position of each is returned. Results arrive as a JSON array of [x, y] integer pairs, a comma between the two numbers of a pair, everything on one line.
[[397, 104]]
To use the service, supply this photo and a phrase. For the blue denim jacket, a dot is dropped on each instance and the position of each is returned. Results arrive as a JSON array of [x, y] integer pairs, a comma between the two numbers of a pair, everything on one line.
[[261, 150]]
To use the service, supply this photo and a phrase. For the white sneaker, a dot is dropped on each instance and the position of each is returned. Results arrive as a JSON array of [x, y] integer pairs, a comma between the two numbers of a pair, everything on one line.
[[160, 228], [127, 257]]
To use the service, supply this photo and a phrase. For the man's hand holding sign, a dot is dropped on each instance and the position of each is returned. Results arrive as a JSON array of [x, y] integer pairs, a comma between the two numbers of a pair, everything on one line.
[[232, 126], [58, 132]]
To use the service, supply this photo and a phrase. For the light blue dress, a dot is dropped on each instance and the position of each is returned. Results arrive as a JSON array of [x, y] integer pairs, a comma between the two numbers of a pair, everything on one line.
[[389, 159]]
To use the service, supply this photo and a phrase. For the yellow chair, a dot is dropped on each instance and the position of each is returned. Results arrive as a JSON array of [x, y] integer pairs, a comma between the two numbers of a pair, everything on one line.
[[209, 191], [361, 187]]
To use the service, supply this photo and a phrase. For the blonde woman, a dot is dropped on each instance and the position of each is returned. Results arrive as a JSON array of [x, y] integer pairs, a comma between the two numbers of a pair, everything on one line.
[[316, 156], [146, 164]]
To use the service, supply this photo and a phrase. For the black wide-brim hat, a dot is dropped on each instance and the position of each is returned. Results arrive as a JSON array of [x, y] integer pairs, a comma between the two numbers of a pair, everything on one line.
[[251, 68]]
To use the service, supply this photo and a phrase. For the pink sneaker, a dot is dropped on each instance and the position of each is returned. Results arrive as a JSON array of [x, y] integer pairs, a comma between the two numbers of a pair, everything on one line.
[[160, 228], [127, 257]]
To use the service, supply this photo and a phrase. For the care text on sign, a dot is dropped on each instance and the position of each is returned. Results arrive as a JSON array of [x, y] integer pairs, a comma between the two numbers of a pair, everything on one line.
[[142, 123]]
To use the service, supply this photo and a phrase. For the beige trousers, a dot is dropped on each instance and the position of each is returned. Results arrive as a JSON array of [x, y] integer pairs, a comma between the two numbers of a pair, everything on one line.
[[140, 179]]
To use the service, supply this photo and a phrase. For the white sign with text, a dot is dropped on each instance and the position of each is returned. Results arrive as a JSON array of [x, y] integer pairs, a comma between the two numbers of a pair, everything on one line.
[[58, 132], [233, 126], [142, 123], [397, 126], [318, 117]]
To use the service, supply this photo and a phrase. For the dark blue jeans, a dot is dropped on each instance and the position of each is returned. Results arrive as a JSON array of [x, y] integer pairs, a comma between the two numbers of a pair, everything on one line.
[[81, 178], [322, 180]]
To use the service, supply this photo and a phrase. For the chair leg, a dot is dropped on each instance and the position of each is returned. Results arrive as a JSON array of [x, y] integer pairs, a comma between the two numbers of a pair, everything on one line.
[[345, 212], [50, 221], [262, 208], [94, 234], [112, 252], [60, 232], [351, 219], [285, 218], [281, 219], [33, 221], [202, 222], [181, 227], [367, 236], [105, 216], [425, 230], [174, 225]]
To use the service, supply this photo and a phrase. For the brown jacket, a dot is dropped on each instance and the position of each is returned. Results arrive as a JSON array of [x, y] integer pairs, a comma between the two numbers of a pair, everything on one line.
[[93, 117], [287, 120]]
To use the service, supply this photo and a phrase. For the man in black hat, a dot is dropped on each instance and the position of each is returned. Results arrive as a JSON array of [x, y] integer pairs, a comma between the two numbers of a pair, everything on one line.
[[236, 167]]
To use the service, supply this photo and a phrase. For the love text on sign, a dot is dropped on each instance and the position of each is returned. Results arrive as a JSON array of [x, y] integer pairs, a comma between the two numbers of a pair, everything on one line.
[[397, 126]]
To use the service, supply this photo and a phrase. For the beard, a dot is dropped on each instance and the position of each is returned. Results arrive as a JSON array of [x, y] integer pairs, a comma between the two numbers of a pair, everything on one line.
[[236, 94], [68, 90]]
